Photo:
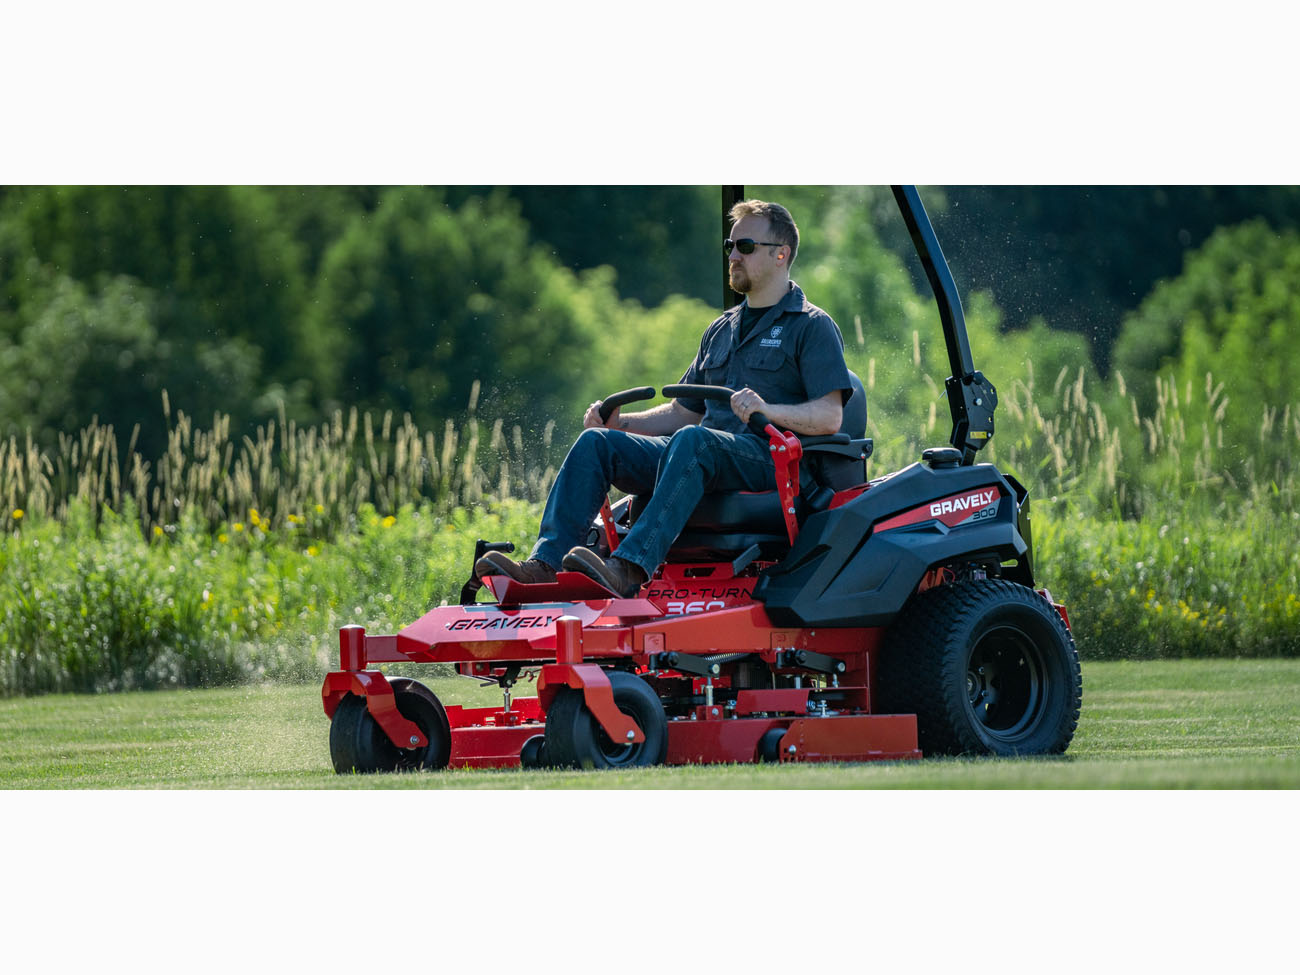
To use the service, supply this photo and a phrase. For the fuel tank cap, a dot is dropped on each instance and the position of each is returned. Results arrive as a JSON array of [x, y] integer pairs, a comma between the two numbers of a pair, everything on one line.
[[942, 457]]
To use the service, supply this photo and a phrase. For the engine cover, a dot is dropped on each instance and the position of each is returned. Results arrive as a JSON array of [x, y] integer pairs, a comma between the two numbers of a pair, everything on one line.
[[858, 564]]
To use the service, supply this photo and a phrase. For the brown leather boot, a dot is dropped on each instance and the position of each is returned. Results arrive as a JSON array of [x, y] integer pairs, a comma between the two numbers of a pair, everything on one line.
[[615, 574], [530, 571]]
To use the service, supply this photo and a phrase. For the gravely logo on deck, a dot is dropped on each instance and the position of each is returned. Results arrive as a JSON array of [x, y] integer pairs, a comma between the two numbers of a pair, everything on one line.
[[967, 502], [504, 622]]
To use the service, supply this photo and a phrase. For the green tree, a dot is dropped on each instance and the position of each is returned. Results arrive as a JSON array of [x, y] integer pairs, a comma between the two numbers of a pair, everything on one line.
[[659, 240], [1083, 257], [635, 346], [1221, 336], [419, 301], [85, 353], [219, 259]]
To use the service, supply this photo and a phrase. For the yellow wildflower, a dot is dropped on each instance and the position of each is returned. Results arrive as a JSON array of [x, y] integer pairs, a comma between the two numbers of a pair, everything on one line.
[[157, 531], [18, 514], [390, 521], [238, 526], [313, 551], [223, 538]]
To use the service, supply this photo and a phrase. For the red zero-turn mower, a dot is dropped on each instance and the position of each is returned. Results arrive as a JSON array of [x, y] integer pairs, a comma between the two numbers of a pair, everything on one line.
[[863, 620]]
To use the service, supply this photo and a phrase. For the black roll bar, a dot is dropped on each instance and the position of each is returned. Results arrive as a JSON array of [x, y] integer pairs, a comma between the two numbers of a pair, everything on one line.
[[936, 269], [731, 195], [971, 397]]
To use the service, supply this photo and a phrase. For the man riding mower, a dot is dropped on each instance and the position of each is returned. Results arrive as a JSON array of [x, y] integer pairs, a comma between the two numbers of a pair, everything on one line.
[[756, 596]]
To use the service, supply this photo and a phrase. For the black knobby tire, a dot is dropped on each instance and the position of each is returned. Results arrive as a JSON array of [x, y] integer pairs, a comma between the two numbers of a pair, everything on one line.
[[357, 743], [988, 667], [575, 739]]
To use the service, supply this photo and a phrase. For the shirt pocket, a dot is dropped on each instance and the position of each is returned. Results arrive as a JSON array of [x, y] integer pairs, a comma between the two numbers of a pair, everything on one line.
[[714, 363], [766, 358]]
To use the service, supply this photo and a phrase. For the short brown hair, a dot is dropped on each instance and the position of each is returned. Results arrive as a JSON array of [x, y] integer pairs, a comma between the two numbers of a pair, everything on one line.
[[778, 219]]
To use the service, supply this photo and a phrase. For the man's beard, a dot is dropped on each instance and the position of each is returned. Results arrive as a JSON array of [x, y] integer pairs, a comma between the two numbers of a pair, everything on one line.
[[740, 282]]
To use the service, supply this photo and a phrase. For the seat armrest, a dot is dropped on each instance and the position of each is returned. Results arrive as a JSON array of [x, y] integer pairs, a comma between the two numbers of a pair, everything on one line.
[[851, 449], [836, 438]]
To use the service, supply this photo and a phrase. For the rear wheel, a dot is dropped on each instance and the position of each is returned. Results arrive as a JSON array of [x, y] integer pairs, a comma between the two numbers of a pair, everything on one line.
[[575, 738], [989, 668], [357, 743]]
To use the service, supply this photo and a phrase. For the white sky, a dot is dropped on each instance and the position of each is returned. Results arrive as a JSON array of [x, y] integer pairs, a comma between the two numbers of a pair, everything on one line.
[[592, 92]]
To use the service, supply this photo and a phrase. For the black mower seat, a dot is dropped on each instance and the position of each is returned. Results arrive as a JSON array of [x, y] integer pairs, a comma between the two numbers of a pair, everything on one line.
[[724, 524]]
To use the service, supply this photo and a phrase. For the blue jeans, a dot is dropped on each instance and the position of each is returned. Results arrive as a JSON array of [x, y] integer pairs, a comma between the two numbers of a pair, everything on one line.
[[679, 469]]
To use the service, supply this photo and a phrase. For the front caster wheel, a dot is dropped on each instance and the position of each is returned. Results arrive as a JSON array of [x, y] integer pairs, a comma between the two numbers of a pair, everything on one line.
[[358, 744], [533, 754], [769, 746], [575, 738]]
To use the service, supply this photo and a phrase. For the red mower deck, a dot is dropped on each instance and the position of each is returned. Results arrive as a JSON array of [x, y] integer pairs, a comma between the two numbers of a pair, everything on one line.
[[553, 628]]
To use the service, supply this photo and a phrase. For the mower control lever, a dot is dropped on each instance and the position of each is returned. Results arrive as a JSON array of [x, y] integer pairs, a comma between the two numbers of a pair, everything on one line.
[[469, 591], [757, 421], [610, 403], [786, 448]]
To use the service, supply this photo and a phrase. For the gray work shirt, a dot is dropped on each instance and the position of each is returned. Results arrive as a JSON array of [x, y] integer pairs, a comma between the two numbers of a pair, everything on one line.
[[793, 354]]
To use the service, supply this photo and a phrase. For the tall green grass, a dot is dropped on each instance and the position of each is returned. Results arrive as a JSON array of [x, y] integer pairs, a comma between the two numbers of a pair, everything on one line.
[[1183, 587], [282, 476], [101, 608], [1090, 446], [1079, 444]]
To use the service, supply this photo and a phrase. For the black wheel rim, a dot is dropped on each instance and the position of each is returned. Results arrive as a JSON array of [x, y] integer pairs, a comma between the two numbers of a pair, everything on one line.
[[411, 759], [614, 752], [1006, 684], [419, 757]]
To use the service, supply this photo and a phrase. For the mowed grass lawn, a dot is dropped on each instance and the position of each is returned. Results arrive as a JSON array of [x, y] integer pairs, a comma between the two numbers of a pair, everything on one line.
[[1229, 724]]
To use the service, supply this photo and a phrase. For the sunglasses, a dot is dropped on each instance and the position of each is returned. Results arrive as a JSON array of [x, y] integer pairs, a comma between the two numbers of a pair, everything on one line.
[[745, 245]]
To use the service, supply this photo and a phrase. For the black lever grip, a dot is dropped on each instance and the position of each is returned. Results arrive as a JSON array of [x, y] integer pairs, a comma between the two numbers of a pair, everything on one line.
[[610, 403], [757, 421]]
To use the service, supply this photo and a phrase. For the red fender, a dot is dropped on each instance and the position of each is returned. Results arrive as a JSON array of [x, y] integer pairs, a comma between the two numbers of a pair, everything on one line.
[[597, 693], [380, 702]]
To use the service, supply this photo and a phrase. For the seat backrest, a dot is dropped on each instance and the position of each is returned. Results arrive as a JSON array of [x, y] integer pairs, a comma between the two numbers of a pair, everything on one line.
[[854, 421]]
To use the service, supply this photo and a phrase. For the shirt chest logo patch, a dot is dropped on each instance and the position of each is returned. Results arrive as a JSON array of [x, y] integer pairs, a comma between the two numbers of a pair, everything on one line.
[[770, 342], [774, 337]]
